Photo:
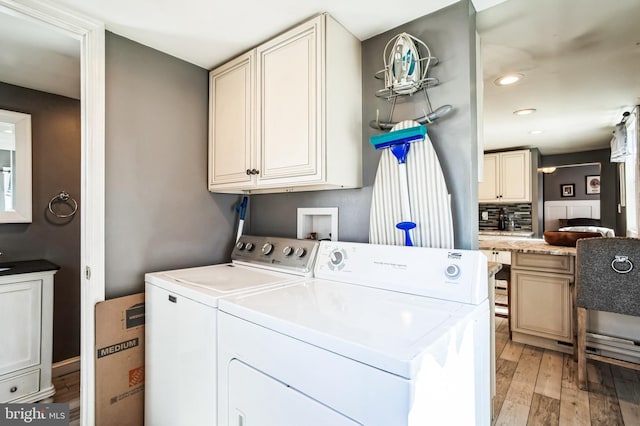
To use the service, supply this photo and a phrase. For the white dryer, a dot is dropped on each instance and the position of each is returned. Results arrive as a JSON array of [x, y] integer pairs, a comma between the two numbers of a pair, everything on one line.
[[181, 323], [382, 335]]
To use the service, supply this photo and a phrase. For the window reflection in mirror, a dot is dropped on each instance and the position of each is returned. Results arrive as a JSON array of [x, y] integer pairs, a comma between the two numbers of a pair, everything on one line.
[[7, 164], [15, 167]]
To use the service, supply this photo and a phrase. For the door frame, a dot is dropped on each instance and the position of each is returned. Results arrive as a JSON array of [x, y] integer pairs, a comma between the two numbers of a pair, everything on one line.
[[90, 34]]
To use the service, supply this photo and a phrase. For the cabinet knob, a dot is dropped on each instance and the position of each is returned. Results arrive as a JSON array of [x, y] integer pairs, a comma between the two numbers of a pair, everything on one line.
[[254, 171], [248, 171], [14, 389]]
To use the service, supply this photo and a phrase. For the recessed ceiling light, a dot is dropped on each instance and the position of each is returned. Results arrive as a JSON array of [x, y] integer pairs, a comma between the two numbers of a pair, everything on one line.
[[525, 111], [508, 79], [535, 132]]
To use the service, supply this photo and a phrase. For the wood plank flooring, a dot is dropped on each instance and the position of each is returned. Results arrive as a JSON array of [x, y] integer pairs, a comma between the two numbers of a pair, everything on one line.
[[538, 387], [68, 391]]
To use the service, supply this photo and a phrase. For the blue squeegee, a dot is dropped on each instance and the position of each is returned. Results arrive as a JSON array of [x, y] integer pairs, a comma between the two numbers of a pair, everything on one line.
[[397, 137], [399, 141]]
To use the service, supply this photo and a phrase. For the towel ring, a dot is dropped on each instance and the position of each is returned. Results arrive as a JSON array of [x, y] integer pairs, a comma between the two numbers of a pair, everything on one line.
[[622, 260], [63, 197]]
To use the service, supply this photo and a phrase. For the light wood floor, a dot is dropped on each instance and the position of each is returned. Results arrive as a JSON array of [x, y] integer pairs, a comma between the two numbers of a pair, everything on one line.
[[538, 387], [68, 391]]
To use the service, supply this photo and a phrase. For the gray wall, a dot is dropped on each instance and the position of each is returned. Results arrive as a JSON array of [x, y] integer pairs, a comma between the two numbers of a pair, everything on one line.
[[159, 214], [609, 193], [55, 126], [449, 33], [570, 175]]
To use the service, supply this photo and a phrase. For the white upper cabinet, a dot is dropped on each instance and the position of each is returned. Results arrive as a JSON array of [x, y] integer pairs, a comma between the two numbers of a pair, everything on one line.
[[231, 123], [287, 115], [507, 178]]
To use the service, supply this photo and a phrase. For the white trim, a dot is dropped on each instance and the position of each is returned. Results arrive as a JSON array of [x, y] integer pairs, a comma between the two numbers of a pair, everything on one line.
[[91, 36], [21, 212], [66, 366], [569, 209]]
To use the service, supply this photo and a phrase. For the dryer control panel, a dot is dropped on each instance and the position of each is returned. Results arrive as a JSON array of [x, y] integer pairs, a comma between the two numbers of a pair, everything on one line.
[[449, 274], [276, 253]]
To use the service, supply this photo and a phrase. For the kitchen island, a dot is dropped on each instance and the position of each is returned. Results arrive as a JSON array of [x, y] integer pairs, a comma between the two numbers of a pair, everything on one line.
[[529, 245], [541, 291]]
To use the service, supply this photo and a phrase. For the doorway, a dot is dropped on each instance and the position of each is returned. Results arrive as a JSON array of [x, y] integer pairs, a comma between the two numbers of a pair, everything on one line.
[[90, 34]]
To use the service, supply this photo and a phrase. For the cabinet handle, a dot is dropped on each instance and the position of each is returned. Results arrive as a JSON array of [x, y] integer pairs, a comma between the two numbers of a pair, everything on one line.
[[14, 389]]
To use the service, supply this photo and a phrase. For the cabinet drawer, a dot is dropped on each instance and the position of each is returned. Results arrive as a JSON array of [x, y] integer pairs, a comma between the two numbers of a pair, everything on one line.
[[543, 262], [19, 386]]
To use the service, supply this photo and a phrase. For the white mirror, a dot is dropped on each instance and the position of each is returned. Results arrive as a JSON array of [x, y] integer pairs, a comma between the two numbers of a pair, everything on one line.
[[15, 166]]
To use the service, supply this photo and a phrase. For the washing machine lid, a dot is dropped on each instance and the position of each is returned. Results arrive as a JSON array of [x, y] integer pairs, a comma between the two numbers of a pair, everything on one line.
[[388, 330], [209, 283]]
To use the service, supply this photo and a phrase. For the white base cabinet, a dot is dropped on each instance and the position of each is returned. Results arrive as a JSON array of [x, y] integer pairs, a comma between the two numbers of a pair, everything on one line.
[[287, 116], [26, 327], [541, 296]]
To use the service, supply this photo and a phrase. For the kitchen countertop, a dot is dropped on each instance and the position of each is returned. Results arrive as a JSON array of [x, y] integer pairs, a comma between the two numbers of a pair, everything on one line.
[[27, 266], [526, 234], [493, 268], [531, 245]]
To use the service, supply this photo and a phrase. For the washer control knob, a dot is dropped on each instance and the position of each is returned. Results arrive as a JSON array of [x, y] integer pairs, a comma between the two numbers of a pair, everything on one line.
[[300, 252], [267, 248], [240, 245], [452, 272], [336, 258], [287, 251], [250, 246]]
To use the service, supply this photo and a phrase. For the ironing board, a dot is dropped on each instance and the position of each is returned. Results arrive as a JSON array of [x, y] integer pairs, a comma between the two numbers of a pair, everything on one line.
[[430, 202]]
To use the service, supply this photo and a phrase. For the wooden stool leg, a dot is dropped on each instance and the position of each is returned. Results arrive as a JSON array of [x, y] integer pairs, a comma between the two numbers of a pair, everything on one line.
[[582, 348], [509, 305]]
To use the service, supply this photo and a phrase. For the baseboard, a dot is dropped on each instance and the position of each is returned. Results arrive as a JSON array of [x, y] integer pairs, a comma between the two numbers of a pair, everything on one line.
[[66, 366]]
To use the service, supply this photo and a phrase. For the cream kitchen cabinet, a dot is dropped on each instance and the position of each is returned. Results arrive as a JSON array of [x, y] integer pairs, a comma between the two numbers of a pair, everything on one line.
[[287, 115], [26, 327], [507, 178], [503, 257], [541, 298]]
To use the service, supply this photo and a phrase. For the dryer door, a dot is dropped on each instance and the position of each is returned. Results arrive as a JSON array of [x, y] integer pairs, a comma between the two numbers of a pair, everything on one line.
[[258, 399]]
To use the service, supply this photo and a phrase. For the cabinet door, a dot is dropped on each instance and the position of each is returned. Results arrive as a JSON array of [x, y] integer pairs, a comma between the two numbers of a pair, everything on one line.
[[20, 325], [541, 304], [231, 123], [515, 171], [289, 105], [488, 188], [503, 257], [491, 255]]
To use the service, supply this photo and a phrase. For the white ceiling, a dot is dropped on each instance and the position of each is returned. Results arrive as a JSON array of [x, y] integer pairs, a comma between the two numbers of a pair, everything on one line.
[[579, 57], [35, 56], [581, 61]]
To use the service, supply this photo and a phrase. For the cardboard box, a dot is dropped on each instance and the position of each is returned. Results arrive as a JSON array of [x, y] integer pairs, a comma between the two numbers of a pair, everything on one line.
[[120, 361]]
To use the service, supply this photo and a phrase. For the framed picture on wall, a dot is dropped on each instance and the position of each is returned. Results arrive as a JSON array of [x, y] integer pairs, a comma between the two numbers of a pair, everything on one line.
[[568, 190], [593, 184]]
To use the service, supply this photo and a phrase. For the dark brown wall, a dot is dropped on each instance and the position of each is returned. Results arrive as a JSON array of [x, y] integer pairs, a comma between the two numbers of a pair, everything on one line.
[[55, 124]]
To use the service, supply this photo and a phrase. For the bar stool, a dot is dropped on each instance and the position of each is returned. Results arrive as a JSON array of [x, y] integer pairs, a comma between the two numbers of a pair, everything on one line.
[[607, 279]]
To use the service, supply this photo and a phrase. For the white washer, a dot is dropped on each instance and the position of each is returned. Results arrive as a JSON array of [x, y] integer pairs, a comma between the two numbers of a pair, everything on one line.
[[181, 323], [383, 335]]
